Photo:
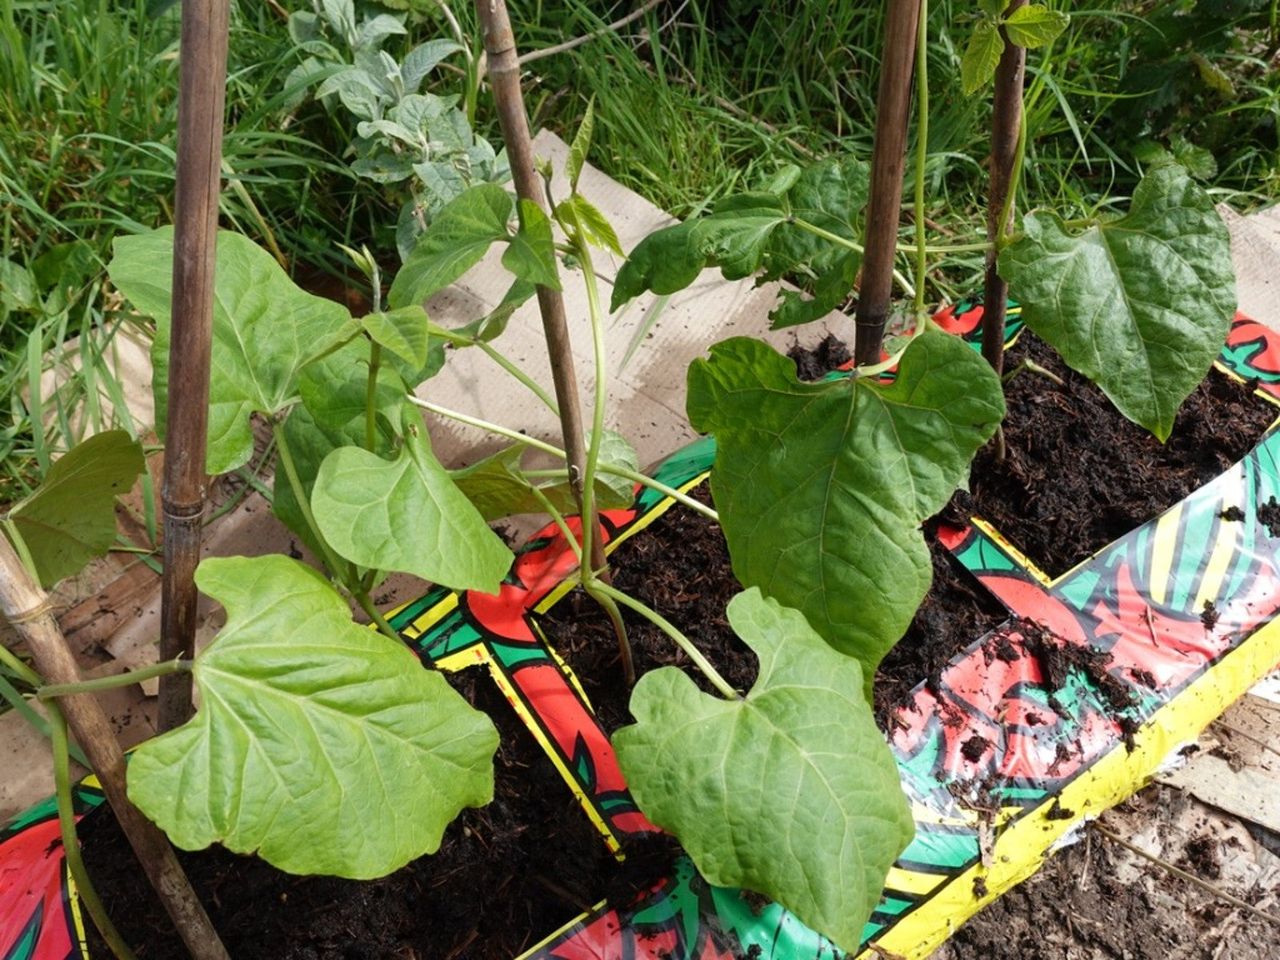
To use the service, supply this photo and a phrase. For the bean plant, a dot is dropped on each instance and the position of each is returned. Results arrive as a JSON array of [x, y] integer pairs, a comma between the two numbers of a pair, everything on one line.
[[310, 722]]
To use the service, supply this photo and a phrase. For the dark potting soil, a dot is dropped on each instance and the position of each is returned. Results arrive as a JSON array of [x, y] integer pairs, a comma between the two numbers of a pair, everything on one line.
[[1077, 474], [680, 567], [505, 876]]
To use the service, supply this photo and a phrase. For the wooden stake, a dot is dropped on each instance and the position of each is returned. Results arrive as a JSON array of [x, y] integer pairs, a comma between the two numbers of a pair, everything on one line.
[[27, 608], [1006, 122], [504, 78], [201, 98], [888, 158]]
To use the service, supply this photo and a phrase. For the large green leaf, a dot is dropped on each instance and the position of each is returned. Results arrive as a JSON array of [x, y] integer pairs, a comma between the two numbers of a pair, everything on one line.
[[791, 791], [1140, 305], [458, 237], [265, 329], [497, 488], [70, 518], [322, 746], [407, 515], [821, 487]]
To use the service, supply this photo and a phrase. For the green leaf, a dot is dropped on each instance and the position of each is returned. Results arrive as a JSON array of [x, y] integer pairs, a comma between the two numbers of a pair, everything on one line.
[[1035, 25], [753, 230], [733, 237], [791, 791], [981, 57], [581, 146], [406, 515], [821, 487], [831, 195], [531, 255], [1213, 76], [402, 331], [579, 214], [458, 237], [497, 487], [321, 746], [265, 329], [17, 286], [829, 291], [493, 324], [70, 518], [1140, 305]]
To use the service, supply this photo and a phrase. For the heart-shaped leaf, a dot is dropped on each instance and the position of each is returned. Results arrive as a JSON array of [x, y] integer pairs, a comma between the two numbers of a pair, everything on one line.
[[265, 329], [821, 487], [407, 515], [70, 518], [322, 746], [458, 237], [791, 791], [1140, 305]]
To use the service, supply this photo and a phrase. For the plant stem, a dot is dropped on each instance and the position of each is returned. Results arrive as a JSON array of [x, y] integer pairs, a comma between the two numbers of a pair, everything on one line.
[[127, 679], [10, 660], [922, 146], [592, 587], [610, 468], [71, 844], [685, 644], [593, 551], [1031, 366], [371, 396], [887, 161], [371, 611], [558, 518], [515, 371], [848, 244], [20, 545]]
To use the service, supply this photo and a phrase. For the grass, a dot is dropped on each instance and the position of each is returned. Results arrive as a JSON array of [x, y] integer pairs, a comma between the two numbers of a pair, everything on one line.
[[696, 100]]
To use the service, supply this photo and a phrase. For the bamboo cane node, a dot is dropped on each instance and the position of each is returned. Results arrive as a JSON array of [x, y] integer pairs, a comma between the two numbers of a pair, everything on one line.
[[41, 610], [183, 511]]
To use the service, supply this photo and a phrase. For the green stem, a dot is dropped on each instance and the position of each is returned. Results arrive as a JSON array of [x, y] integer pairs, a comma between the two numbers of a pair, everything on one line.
[[685, 644], [371, 396], [38, 723], [1030, 366], [609, 468], [558, 518], [607, 604], [511, 368], [366, 604], [20, 546], [1015, 180], [71, 845], [599, 396], [336, 567], [10, 659], [922, 146], [127, 679]]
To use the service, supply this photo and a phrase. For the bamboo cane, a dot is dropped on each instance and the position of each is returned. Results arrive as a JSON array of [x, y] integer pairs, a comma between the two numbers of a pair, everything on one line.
[[888, 158], [27, 608], [1006, 122], [201, 100], [504, 78]]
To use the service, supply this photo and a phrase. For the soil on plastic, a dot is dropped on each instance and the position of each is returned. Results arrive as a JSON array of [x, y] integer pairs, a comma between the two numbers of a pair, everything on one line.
[[505, 876], [1078, 475]]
